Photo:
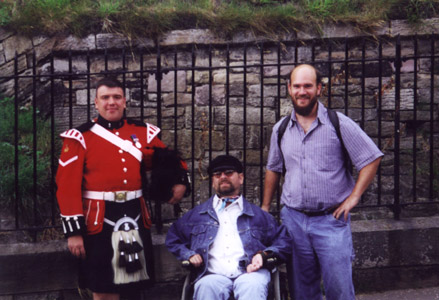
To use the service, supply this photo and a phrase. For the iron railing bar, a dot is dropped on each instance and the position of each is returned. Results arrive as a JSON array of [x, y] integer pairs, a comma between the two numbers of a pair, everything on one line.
[[210, 115], [175, 101], [261, 134], [363, 83], [415, 112], [193, 60], [244, 118], [379, 115], [70, 90], [142, 88], [52, 142], [329, 74], [432, 74], [34, 141], [88, 85], [227, 100], [16, 144], [396, 206]]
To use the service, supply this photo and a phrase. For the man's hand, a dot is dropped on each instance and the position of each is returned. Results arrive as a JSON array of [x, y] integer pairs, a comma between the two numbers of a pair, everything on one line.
[[178, 191], [76, 246], [256, 264], [266, 207], [365, 177], [196, 260], [346, 206], [271, 183]]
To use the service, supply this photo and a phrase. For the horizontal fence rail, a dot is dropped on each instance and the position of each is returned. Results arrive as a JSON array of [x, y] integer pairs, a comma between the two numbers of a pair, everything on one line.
[[225, 99]]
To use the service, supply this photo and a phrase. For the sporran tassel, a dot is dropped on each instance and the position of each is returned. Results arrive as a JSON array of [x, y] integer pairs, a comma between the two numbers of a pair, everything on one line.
[[128, 264]]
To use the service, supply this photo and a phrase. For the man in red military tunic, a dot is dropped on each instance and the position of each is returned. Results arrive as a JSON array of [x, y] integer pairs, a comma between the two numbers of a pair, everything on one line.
[[103, 211]]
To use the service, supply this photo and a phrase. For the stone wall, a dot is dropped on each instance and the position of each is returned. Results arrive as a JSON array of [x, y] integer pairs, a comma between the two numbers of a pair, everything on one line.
[[234, 78]]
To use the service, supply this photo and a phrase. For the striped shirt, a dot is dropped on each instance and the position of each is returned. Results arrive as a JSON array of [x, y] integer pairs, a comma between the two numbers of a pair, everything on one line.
[[316, 178]]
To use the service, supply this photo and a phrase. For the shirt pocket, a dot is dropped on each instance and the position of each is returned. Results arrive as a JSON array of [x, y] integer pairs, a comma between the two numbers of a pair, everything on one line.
[[198, 235], [327, 157], [260, 235]]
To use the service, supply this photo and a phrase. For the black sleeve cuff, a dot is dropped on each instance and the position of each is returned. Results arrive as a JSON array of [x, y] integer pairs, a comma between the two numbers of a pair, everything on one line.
[[185, 179], [73, 225]]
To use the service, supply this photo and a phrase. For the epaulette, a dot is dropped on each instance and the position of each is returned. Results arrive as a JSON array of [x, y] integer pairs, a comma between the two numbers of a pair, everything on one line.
[[136, 122], [85, 127]]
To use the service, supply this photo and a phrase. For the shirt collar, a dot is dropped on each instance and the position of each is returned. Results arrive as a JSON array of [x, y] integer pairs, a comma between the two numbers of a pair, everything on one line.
[[110, 125], [217, 201]]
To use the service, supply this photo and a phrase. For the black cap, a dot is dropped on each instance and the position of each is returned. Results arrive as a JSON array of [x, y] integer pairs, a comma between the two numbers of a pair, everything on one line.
[[224, 162]]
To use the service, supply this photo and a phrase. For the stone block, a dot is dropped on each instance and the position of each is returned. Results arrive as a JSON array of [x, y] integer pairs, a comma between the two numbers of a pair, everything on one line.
[[75, 43], [16, 44], [404, 28], [81, 97], [5, 34], [111, 41], [202, 95], [44, 47], [190, 36], [8, 69], [167, 82]]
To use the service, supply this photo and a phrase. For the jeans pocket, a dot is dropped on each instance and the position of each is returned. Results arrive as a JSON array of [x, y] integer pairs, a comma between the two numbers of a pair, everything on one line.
[[340, 221]]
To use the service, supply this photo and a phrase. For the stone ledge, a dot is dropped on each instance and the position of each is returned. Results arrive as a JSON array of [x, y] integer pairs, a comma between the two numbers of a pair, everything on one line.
[[389, 254]]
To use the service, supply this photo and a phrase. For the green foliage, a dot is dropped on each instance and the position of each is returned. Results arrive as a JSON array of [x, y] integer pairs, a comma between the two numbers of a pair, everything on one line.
[[153, 17], [25, 158]]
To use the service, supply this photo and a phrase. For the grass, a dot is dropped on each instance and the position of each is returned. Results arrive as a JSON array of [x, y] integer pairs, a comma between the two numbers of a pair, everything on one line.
[[26, 163], [151, 18]]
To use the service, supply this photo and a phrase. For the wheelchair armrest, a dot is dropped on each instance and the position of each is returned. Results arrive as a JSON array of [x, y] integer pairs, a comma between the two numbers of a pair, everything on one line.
[[271, 263], [186, 264]]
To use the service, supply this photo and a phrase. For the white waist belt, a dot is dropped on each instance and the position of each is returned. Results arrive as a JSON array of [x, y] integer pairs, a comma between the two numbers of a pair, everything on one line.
[[116, 196]]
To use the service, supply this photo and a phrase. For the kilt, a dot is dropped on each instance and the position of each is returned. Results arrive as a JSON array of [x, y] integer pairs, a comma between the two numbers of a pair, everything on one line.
[[96, 271]]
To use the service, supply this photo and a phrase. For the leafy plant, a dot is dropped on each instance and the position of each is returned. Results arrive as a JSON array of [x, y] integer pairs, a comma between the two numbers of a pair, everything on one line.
[[25, 161]]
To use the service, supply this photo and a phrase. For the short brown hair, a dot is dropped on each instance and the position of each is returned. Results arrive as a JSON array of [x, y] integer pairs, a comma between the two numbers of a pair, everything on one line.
[[111, 82]]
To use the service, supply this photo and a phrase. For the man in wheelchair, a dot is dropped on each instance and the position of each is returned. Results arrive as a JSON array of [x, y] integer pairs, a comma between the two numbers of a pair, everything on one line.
[[227, 239]]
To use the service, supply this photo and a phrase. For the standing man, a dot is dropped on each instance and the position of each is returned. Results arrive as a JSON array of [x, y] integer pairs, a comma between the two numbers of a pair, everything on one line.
[[227, 239], [103, 212], [318, 192]]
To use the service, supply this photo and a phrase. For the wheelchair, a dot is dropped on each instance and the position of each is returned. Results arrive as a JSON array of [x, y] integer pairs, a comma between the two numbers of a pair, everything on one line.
[[277, 289]]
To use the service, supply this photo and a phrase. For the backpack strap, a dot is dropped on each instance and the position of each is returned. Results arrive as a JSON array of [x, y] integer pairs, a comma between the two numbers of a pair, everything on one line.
[[280, 133], [333, 117]]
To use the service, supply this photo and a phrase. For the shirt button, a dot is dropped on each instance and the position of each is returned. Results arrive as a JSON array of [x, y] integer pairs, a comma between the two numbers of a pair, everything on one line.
[[120, 151], [117, 132], [123, 159], [125, 181], [125, 170]]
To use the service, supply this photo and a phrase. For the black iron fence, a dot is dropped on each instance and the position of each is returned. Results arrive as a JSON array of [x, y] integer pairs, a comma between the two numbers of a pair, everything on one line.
[[225, 99]]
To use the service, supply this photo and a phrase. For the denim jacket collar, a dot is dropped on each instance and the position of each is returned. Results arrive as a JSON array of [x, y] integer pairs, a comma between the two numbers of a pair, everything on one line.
[[207, 207]]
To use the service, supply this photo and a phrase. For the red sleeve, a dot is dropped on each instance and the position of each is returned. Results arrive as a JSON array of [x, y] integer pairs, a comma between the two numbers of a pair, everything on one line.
[[69, 178]]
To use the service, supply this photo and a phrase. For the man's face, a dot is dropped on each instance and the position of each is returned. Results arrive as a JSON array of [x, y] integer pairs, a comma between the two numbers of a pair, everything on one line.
[[227, 183], [110, 103], [304, 90]]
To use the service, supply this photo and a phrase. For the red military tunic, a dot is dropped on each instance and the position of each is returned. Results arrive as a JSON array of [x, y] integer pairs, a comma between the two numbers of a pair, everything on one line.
[[90, 163]]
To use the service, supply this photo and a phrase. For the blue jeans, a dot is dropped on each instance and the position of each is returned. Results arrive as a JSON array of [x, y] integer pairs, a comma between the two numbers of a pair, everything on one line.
[[248, 286], [322, 247]]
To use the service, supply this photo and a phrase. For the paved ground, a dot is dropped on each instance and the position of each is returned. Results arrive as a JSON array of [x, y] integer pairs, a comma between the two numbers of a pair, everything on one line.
[[172, 292], [410, 294]]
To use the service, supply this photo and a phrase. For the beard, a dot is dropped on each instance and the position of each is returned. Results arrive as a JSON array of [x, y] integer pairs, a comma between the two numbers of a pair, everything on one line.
[[305, 110], [226, 190]]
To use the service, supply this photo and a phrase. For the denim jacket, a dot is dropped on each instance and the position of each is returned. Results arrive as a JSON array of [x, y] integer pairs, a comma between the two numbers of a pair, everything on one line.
[[196, 230]]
